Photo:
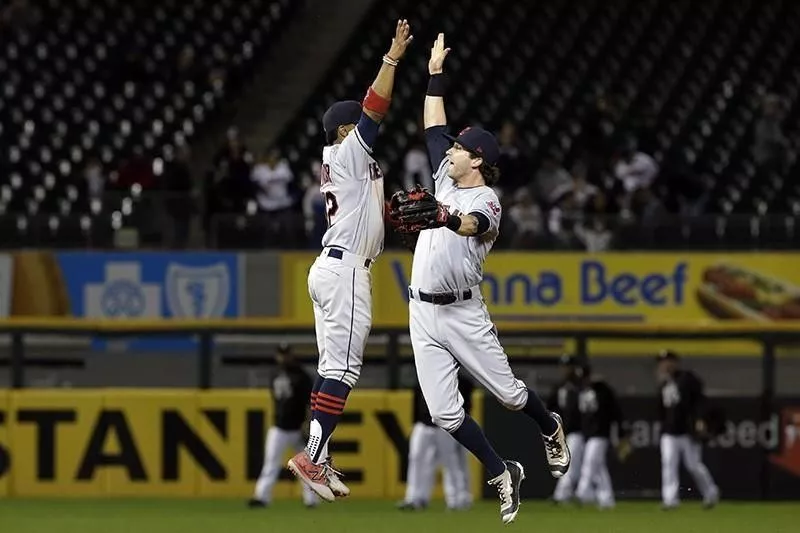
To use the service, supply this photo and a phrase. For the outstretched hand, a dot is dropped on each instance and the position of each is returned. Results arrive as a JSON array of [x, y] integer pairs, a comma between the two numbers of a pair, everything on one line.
[[438, 53], [402, 38]]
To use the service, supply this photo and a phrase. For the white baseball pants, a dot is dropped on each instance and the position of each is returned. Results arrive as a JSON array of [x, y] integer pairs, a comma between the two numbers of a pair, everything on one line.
[[341, 291], [428, 448], [446, 336], [595, 481], [673, 449], [277, 441], [568, 483]]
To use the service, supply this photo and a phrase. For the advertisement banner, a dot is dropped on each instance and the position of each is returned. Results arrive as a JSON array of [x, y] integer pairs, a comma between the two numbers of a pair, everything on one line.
[[753, 452], [151, 285], [187, 443], [612, 287]]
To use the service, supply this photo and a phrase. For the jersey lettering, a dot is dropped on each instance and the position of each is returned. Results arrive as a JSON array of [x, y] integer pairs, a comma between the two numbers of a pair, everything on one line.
[[331, 206], [587, 401], [375, 172], [670, 395], [325, 174]]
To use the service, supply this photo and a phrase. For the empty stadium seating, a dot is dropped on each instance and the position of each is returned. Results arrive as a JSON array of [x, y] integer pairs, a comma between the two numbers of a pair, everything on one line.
[[110, 79]]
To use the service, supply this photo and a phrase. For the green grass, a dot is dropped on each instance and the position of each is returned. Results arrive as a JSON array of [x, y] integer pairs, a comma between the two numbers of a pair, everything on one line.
[[229, 516]]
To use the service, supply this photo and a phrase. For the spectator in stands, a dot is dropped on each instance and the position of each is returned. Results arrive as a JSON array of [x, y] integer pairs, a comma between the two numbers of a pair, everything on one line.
[[94, 180], [527, 218], [582, 190], [771, 145], [634, 169], [417, 168], [137, 169], [180, 201], [232, 186], [272, 177], [594, 235], [513, 163], [313, 206], [552, 180]]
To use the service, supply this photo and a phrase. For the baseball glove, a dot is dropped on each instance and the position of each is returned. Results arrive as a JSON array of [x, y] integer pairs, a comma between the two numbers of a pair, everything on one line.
[[415, 210]]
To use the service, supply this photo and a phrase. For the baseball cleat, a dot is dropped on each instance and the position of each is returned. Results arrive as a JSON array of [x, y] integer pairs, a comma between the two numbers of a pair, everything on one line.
[[507, 485], [412, 506], [256, 504], [339, 489], [314, 476], [556, 450]]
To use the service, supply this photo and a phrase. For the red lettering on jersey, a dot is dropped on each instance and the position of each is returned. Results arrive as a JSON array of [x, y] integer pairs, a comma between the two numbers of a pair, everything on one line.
[[492, 205], [324, 174]]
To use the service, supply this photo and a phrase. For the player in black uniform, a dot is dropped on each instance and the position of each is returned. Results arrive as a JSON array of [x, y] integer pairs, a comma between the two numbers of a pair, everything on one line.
[[429, 447], [564, 401], [291, 393], [681, 407], [600, 410]]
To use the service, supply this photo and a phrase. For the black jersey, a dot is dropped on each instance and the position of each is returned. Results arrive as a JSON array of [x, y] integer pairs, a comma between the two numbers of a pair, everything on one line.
[[291, 392], [599, 409], [564, 401], [680, 403]]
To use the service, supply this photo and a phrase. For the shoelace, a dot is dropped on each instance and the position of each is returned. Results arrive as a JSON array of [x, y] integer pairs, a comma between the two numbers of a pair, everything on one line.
[[330, 470], [553, 448], [504, 495]]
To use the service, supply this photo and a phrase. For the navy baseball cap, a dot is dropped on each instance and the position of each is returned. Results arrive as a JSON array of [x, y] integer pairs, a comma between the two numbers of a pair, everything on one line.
[[341, 113], [478, 141]]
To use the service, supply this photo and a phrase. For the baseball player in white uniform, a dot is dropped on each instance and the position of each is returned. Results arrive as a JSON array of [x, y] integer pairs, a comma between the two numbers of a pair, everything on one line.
[[339, 281], [449, 324], [429, 447]]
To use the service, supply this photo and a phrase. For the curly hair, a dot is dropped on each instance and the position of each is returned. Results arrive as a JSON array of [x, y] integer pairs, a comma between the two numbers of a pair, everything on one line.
[[490, 173]]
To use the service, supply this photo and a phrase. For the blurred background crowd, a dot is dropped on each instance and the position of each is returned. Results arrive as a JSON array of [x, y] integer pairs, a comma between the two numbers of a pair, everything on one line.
[[667, 124]]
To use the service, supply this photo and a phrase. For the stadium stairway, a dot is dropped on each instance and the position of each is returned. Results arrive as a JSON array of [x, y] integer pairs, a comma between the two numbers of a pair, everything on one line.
[[297, 64]]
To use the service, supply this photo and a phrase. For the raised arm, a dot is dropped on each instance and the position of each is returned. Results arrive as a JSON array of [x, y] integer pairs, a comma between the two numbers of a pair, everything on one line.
[[379, 94], [434, 117]]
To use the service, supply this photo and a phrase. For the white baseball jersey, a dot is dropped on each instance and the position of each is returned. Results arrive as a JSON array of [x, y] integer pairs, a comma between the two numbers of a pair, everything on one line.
[[352, 187], [445, 261]]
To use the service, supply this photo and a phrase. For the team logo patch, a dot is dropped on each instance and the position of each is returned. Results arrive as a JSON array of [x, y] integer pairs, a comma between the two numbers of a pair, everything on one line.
[[492, 205], [198, 292]]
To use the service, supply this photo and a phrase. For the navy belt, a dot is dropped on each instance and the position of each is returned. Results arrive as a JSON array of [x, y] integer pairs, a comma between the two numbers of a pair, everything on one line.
[[338, 254], [441, 298]]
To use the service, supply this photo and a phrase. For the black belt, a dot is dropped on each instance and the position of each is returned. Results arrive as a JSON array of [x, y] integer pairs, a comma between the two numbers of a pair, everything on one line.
[[441, 298], [337, 254]]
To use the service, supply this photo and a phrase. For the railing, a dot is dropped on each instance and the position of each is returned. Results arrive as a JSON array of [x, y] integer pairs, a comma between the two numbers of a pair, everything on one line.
[[769, 335]]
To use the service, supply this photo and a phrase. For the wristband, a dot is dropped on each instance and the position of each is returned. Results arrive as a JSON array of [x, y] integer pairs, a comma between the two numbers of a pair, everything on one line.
[[389, 61], [375, 102], [453, 222], [437, 85]]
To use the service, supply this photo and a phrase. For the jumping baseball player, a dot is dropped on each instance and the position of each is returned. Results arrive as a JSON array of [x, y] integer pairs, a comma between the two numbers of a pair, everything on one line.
[[291, 388], [449, 322], [680, 408], [430, 447], [564, 400], [339, 281], [599, 411]]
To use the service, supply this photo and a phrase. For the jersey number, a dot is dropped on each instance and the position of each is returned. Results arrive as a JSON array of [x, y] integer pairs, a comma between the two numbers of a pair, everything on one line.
[[331, 206]]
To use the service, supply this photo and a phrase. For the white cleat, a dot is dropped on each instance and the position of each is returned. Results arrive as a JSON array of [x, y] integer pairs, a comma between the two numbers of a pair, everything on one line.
[[556, 450], [507, 485]]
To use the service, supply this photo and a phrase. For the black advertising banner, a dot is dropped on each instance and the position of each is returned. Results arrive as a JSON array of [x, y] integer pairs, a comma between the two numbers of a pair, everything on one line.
[[754, 458]]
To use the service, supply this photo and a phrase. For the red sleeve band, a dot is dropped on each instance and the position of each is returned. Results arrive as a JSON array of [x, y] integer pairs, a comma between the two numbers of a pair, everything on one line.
[[375, 102]]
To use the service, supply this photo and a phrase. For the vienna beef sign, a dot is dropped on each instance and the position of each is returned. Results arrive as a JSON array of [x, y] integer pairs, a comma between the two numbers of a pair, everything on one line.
[[181, 443]]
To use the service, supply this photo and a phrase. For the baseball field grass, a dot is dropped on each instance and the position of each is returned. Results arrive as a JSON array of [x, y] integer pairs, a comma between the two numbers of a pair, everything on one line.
[[228, 516]]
